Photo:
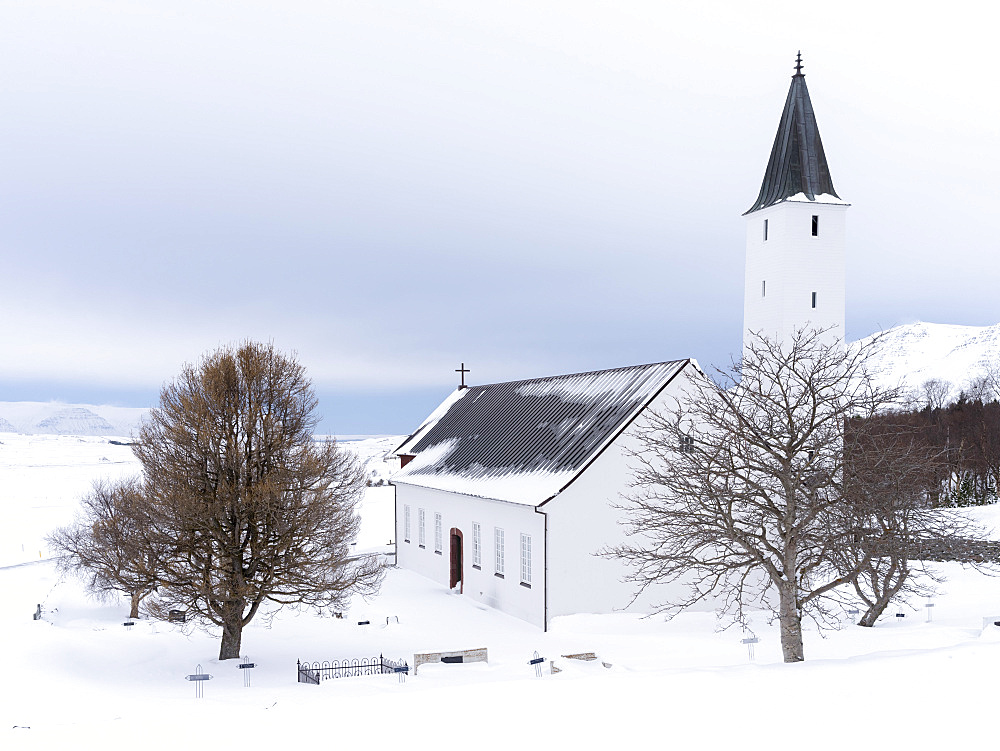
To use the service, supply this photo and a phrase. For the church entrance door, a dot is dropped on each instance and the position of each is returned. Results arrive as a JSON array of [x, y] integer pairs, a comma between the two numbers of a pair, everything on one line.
[[456, 559]]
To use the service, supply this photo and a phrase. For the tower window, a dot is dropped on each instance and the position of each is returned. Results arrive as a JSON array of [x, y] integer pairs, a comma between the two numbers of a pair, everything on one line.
[[763, 288], [815, 225], [814, 299], [765, 230]]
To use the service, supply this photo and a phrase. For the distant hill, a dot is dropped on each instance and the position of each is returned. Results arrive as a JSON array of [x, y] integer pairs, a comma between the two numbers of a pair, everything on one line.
[[959, 356], [910, 355], [58, 418]]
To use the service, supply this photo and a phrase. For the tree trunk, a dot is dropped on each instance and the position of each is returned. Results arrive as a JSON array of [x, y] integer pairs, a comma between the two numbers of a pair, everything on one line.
[[882, 601], [791, 624], [232, 636], [136, 599], [871, 615]]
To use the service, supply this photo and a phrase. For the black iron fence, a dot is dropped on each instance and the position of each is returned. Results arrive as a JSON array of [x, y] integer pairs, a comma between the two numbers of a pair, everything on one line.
[[315, 672]]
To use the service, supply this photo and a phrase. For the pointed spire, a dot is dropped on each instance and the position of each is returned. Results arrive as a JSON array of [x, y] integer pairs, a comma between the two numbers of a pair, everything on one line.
[[797, 163]]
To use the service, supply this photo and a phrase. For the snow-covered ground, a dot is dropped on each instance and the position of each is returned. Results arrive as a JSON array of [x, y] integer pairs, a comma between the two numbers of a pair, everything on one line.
[[80, 678], [41, 480], [372, 450]]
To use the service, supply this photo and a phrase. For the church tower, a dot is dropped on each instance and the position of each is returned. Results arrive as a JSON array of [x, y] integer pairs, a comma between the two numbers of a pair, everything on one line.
[[795, 232]]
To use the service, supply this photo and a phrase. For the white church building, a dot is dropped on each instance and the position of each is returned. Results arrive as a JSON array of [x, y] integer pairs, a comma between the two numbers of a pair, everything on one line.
[[507, 491]]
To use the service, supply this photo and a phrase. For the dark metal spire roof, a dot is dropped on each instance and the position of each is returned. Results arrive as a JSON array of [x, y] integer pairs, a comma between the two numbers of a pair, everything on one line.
[[797, 163]]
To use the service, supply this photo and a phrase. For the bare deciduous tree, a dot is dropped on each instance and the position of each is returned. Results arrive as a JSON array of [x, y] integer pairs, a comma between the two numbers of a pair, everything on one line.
[[986, 386], [746, 512], [991, 376], [110, 543], [890, 476], [935, 392], [252, 509]]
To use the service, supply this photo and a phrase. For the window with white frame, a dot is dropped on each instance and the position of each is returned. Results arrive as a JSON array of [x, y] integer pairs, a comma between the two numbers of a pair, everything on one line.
[[525, 559], [477, 545], [421, 528], [406, 523], [498, 551], [438, 542]]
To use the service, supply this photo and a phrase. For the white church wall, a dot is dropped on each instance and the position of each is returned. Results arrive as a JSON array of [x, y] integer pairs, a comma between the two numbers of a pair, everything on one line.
[[582, 520], [785, 270], [502, 590]]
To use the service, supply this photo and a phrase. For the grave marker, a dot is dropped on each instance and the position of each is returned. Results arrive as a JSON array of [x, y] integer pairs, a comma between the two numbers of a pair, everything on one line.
[[198, 677], [750, 641], [537, 662], [247, 666]]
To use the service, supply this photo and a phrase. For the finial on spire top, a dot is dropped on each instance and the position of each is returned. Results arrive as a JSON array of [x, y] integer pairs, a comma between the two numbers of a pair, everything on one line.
[[798, 64]]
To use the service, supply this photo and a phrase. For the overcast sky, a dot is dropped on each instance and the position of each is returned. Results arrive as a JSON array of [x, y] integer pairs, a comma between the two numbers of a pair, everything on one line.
[[392, 188]]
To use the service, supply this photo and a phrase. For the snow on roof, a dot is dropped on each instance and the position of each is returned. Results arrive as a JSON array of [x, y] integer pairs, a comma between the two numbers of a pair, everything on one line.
[[523, 441], [821, 198], [432, 420]]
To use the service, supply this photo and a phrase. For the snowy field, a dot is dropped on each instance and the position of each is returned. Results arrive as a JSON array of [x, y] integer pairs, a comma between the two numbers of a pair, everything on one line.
[[79, 678]]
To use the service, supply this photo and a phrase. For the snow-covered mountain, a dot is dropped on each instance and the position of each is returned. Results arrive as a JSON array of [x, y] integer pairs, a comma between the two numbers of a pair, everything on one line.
[[908, 355], [58, 418], [915, 353]]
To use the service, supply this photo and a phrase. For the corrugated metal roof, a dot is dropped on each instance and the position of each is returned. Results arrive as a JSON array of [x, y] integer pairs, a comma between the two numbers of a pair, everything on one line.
[[797, 163], [411, 440], [523, 438]]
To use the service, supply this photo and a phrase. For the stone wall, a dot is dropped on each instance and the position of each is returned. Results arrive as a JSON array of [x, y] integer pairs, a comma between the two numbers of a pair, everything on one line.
[[958, 550], [462, 655]]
